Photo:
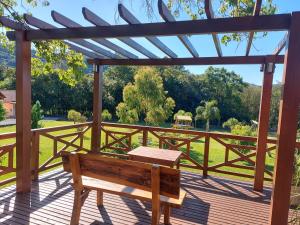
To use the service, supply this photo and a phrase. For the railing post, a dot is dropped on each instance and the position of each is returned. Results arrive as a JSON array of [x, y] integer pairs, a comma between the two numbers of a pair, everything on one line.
[[145, 137], [206, 155], [35, 155], [97, 108], [263, 126]]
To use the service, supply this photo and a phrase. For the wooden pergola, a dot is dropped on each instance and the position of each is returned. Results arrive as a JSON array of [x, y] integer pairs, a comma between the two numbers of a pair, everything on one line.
[[74, 35]]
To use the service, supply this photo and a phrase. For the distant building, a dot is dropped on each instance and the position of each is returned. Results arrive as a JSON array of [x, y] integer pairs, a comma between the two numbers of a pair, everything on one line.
[[8, 97]]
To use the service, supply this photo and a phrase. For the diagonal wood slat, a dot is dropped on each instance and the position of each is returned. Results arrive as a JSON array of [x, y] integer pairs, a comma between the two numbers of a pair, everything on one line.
[[61, 19], [281, 44], [210, 15], [168, 17], [251, 34], [33, 21], [96, 20], [131, 19]]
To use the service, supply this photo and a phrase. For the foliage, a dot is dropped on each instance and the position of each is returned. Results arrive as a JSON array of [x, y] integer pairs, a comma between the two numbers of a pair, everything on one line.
[[145, 98], [36, 115], [181, 112], [2, 112], [50, 56], [226, 88], [125, 114], [74, 116], [224, 8], [106, 115], [7, 77], [250, 100], [209, 111], [231, 123]]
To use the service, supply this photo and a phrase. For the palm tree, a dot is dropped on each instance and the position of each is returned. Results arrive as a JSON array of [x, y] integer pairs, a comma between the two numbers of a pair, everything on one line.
[[209, 111]]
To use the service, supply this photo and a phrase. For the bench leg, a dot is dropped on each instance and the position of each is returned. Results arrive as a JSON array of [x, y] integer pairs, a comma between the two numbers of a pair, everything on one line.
[[167, 214], [99, 198], [76, 208]]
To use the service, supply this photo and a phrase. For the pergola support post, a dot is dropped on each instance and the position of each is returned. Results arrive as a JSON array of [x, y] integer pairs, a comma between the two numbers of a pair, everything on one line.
[[97, 108], [23, 113], [263, 126], [287, 127]]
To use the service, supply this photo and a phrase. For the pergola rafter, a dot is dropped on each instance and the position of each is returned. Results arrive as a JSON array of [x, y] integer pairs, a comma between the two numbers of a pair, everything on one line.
[[61, 19], [210, 15], [97, 21], [73, 34], [131, 19], [168, 17], [256, 12]]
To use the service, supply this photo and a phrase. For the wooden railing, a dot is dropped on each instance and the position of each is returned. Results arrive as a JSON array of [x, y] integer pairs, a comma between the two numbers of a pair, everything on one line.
[[209, 152]]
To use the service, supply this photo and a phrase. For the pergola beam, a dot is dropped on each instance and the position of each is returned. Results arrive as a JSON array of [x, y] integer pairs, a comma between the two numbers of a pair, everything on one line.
[[62, 20], [33, 21], [279, 22], [132, 20], [168, 17], [229, 60], [210, 15], [97, 21], [251, 34]]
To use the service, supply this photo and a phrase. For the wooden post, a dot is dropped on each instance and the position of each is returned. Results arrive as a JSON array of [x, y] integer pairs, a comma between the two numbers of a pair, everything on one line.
[[97, 108], [35, 155], [23, 112], [155, 188], [206, 155], [263, 126], [287, 127], [145, 137]]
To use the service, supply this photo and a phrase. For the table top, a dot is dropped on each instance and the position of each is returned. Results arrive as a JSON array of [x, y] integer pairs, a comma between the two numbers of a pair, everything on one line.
[[155, 155]]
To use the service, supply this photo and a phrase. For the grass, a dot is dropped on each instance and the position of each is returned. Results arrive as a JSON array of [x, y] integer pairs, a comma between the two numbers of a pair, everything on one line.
[[216, 153]]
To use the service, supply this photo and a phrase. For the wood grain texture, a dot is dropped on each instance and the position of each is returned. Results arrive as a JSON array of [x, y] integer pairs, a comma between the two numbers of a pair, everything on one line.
[[210, 201]]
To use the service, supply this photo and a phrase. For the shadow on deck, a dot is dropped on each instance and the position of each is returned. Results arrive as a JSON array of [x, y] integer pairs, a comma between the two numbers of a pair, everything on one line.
[[209, 201]]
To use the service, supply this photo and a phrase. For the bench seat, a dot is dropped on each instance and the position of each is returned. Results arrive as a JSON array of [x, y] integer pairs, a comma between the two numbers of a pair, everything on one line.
[[117, 189]]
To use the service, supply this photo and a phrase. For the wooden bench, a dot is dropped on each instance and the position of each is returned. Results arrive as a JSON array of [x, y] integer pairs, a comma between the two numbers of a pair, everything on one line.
[[157, 184]]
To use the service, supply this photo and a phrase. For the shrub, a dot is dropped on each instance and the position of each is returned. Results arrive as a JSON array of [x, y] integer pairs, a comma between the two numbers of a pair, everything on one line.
[[230, 123], [36, 115], [2, 112], [74, 116], [106, 115]]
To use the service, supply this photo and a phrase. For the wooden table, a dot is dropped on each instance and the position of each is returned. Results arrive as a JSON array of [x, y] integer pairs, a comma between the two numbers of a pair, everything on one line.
[[164, 157]]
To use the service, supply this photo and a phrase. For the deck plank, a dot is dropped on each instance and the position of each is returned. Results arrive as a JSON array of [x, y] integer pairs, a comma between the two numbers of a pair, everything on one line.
[[209, 201]]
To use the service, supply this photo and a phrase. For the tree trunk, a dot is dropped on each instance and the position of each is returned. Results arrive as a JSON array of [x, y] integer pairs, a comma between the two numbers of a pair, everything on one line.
[[207, 125]]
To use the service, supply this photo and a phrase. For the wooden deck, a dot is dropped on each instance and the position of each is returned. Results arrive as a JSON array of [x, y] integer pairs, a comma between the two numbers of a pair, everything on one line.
[[209, 201]]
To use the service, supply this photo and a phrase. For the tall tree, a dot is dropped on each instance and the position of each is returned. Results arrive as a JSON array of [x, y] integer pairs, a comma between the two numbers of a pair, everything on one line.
[[209, 111], [146, 98], [226, 88]]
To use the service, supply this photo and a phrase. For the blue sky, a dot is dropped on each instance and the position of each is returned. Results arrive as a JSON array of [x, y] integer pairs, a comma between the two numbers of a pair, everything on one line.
[[107, 9]]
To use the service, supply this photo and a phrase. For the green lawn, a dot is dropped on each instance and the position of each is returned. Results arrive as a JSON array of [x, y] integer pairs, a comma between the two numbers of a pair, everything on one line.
[[216, 153]]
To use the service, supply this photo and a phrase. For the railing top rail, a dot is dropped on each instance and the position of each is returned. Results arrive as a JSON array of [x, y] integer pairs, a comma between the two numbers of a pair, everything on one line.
[[58, 128], [7, 135]]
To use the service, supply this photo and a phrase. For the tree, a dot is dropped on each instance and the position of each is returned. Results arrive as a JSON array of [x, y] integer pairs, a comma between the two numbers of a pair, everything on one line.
[[208, 112], [74, 116], [36, 115], [145, 98], [226, 88], [106, 115], [2, 112]]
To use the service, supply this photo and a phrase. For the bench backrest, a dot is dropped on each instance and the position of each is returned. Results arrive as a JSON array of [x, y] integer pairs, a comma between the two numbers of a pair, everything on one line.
[[125, 172]]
